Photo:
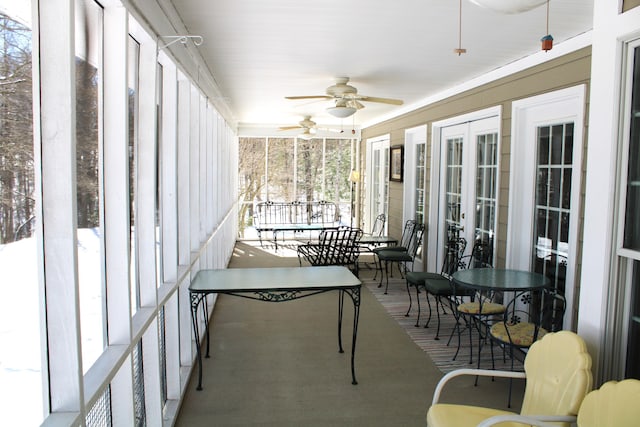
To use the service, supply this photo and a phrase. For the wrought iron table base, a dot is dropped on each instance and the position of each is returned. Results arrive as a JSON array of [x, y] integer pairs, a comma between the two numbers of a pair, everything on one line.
[[198, 298]]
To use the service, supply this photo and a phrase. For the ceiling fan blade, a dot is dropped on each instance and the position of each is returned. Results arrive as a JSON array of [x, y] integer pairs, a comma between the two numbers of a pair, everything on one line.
[[381, 100], [290, 127], [309, 97], [331, 130]]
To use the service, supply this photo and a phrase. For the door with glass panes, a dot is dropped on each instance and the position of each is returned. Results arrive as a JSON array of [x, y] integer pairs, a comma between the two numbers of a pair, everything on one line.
[[544, 193], [377, 181], [625, 310], [415, 154], [468, 184]]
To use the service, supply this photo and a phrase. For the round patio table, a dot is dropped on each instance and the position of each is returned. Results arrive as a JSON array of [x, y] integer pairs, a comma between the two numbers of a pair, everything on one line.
[[490, 280], [499, 280]]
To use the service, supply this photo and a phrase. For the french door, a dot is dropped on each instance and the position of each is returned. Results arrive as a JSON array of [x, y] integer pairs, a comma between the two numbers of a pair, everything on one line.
[[377, 180], [466, 177], [415, 154], [544, 188], [623, 341]]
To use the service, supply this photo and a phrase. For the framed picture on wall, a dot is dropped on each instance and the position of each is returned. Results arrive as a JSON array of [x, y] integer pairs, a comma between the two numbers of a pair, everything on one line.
[[397, 163]]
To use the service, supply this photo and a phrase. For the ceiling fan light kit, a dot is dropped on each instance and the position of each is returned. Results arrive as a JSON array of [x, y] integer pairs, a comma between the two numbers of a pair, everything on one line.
[[306, 135], [342, 111]]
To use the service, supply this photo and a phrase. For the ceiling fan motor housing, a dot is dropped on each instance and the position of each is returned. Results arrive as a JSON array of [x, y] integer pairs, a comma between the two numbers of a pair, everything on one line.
[[341, 88]]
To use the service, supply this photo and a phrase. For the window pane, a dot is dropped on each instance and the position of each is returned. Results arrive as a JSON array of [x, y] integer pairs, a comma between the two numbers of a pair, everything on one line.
[[252, 181], [454, 182], [632, 224], [553, 197], [92, 300], [420, 182], [486, 173], [633, 348], [337, 169], [279, 169], [158, 151], [20, 352], [308, 170], [134, 54]]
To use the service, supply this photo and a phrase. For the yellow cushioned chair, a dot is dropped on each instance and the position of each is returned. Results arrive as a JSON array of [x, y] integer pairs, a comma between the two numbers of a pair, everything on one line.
[[557, 370], [615, 404]]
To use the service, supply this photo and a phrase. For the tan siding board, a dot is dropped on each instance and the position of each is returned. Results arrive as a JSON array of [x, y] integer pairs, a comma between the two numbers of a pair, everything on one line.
[[630, 4]]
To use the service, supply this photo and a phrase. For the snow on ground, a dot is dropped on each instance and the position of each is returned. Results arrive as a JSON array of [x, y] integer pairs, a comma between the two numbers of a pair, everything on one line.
[[20, 352]]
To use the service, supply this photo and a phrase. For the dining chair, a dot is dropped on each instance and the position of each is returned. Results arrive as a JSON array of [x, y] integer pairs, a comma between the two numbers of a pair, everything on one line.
[[557, 374], [528, 317], [378, 225], [478, 309], [437, 284], [405, 240], [613, 404], [367, 247], [401, 257]]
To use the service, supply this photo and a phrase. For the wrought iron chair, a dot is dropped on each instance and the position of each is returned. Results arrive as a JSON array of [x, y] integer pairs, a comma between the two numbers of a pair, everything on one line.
[[378, 225], [437, 284], [401, 257], [559, 358], [481, 309], [334, 247], [367, 247], [528, 318], [405, 239]]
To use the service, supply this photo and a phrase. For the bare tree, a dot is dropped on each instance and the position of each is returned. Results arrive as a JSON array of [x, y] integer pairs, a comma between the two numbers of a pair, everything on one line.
[[16, 131]]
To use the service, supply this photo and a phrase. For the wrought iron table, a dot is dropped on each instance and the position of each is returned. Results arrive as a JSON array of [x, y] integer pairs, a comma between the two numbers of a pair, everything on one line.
[[499, 280], [490, 280], [298, 228], [274, 285], [375, 241]]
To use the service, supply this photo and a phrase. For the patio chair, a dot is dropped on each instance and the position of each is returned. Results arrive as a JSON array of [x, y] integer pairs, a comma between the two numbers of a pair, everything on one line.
[[366, 246], [438, 285], [401, 257], [378, 225], [480, 308], [613, 404], [528, 318], [557, 370], [334, 247], [405, 240]]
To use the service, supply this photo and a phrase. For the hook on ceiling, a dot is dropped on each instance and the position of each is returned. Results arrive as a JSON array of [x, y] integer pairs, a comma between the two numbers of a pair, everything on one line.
[[197, 40]]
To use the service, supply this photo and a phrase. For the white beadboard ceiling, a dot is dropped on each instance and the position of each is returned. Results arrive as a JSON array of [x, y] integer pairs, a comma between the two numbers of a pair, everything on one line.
[[259, 51]]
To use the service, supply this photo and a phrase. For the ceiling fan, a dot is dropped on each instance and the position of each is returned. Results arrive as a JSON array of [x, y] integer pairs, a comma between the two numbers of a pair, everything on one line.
[[309, 128], [305, 123], [346, 97]]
